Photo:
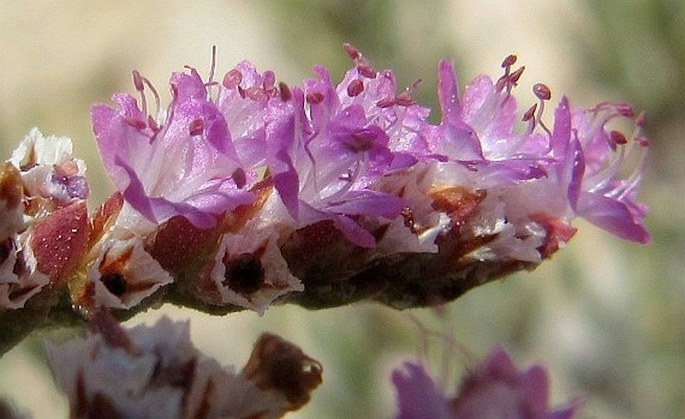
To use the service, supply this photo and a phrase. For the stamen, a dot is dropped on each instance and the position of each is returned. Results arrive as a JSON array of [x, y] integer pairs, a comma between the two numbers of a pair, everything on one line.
[[232, 79], [152, 123], [135, 123], [542, 91], [239, 178], [405, 99], [514, 77], [617, 138], [137, 81], [386, 102], [268, 80], [366, 70], [212, 67], [196, 127], [286, 93], [364, 67], [530, 113], [509, 61], [255, 93], [355, 87], [158, 102], [140, 87], [314, 98], [352, 52], [641, 120], [642, 141], [626, 110]]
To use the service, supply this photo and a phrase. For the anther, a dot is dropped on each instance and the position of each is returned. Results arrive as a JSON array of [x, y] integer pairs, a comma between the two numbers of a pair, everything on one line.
[[239, 178], [268, 80], [641, 120], [626, 110], [617, 138], [255, 93], [530, 113], [642, 141], [404, 99], [366, 70], [542, 91], [286, 93], [232, 79], [352, 52], [509, 61], [196, 127], [386, 102], [140, 87], [135, 123], [138, 81], [514, 77], [314, 98], [355, 87]]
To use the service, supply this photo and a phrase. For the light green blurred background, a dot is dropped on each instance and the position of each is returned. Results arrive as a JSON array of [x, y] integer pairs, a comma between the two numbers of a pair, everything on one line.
[[606, 317]]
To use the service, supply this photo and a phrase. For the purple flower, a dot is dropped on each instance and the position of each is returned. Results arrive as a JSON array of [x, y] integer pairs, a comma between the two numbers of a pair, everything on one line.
[[363, 157], [326, 165], [477, 129], [417, 395], [187, 165], [606, 199], [494, 389]]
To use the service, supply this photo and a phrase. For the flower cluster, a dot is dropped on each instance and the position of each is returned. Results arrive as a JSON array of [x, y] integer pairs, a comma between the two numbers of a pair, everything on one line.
[[494, 389], [156, 372], [246, 191], [44, 219]]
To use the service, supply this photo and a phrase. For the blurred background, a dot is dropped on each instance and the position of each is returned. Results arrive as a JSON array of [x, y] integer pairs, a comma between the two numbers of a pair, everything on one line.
[[606, 317]]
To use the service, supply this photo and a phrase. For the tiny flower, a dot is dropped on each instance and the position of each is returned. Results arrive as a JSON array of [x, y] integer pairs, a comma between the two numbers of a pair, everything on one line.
[[184, 165], [333, 162], [477, 131], [52, 177], [607, 199], [417, 395], [494, 389]]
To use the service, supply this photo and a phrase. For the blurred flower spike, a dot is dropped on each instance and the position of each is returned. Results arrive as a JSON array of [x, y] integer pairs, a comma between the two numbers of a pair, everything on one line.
[[155, 371], [246, 192], [493, 389]]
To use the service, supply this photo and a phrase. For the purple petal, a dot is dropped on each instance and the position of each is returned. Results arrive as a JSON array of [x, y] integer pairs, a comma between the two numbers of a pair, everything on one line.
[[417, 395], [613, 216], [448, 92]]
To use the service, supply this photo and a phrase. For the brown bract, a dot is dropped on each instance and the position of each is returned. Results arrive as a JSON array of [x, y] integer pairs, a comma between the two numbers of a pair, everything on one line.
[[282, 367]]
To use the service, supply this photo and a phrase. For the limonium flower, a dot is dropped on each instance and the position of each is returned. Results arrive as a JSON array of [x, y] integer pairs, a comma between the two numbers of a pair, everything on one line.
[[493, 389], [181, 165], [244, 191]]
